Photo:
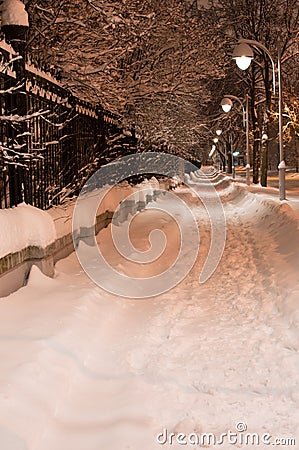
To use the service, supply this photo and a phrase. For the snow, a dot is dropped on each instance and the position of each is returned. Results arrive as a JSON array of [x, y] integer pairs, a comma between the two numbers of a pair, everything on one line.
[[282, 165], [14, 13], [7, 47], [24, 226], [47, 76], [62, 215], [86, 370]]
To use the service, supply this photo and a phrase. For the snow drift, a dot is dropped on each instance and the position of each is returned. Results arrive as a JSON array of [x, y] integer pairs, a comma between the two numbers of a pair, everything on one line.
[[83, 369]]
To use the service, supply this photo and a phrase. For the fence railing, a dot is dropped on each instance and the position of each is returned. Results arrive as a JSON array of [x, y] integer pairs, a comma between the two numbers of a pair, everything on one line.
[[51, 141]]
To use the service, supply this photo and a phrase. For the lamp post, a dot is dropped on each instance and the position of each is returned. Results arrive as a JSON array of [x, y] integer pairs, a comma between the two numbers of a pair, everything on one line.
[[15, 26], [243, 54], [227, 104], [232, 155]]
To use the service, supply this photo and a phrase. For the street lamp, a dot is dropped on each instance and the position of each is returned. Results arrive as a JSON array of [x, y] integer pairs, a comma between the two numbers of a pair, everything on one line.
[[227, 104], [243, 59], [243, 55]]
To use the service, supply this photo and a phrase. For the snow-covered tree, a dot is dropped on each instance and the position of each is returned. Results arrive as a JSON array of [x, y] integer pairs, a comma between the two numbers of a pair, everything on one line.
[[130, 56]]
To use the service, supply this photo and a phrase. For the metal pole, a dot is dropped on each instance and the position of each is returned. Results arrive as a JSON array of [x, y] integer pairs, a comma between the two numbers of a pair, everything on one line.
[[245, 111], [232, 156], [226, 161], [281, 166], [247, 142]]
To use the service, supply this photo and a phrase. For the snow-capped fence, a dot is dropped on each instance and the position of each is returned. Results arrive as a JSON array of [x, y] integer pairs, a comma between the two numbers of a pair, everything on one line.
[[29, 236], [51, 141]]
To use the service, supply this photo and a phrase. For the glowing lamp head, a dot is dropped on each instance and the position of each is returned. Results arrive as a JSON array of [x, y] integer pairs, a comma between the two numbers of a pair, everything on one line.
[[218, 132], [215, 140], [243, 54], [226, 104]]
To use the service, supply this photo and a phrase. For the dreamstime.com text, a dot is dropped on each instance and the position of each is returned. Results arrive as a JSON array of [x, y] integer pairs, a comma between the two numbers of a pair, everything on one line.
[[237, 437]]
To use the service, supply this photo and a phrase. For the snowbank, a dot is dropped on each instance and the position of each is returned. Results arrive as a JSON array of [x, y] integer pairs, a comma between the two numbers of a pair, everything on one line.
[[275, 225], [62, 215], [25, 226], [84, 369], [31, 236]]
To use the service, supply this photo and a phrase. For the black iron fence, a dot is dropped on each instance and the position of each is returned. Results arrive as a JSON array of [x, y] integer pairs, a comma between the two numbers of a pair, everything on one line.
[[51, 141]]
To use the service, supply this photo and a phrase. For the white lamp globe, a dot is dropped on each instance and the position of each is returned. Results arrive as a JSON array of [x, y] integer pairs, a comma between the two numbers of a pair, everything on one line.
[[226, 108], [226, 104], [243, 62], [243, 54]]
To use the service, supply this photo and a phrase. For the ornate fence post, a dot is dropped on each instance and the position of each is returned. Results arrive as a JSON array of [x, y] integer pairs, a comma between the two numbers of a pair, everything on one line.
[[15, 27]]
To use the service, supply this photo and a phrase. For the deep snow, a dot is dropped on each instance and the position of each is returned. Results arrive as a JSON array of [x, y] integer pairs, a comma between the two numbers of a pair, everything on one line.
[[25, 225], [82, 369]]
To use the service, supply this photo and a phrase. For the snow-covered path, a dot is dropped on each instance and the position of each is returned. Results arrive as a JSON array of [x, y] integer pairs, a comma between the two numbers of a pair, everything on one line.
[[84, 370]]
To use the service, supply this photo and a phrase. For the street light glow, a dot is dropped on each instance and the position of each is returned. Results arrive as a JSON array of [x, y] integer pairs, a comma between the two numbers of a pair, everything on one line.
[[218, 132], [215, 140]]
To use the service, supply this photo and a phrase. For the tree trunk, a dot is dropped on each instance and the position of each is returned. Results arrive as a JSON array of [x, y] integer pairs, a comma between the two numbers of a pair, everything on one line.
[[256, 146], [229, 162], [264, 159], [297, 154], [266, 119], [222, 157]]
